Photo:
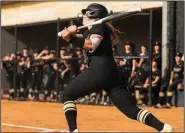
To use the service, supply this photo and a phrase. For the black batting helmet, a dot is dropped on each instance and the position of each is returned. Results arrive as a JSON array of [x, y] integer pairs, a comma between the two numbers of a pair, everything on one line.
[[95, 11]]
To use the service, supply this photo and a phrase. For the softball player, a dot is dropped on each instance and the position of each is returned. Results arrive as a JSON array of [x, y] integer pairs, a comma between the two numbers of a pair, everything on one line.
[[102, 72]]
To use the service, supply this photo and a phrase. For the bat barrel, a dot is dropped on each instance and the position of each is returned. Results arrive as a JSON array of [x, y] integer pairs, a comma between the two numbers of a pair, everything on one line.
[[122, 14]]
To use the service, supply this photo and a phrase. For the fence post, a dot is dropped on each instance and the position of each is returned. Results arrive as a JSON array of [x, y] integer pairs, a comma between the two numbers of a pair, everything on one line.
[[150, 56], [58, 58], [15, 63]]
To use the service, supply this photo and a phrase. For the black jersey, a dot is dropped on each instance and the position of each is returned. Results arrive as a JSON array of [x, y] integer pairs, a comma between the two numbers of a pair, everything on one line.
[[25, 58], [157, 57], [128, 61], [155, 74], [61, 65], [8, 65], [35, 65], [141, 74], [178, 70], [101, 61], [146, 61], [105, 47]]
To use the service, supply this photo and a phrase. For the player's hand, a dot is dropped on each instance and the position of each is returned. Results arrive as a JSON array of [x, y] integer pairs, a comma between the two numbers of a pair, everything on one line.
[[145, 85], [132, 74], [171, 82], [72, 29], [12, 55], [65, 34]]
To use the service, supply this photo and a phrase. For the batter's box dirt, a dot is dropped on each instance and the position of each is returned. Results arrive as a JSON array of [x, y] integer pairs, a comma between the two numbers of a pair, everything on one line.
[[90, 118]]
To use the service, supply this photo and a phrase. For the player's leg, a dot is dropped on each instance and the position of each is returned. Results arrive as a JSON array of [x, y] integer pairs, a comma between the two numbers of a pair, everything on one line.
[[84, 84], [170, 90], [162, 91], [123, 101], [155, 95]]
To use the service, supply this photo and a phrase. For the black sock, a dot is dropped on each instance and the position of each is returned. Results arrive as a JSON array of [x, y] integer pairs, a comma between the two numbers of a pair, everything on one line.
[[71, 115], [147, 118], [169, 97]]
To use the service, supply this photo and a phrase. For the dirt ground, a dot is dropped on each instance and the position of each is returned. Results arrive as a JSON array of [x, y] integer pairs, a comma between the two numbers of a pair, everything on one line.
[[49, 117]]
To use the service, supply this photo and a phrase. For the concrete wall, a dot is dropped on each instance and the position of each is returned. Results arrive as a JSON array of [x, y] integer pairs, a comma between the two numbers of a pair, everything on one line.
[[180, 27], [32, 12]]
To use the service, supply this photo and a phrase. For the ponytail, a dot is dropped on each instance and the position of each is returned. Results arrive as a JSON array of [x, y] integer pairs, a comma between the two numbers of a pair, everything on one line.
[[114, 31]]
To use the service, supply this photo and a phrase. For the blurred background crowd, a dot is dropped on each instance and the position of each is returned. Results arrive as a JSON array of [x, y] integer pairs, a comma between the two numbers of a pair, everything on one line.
[[39, 75]]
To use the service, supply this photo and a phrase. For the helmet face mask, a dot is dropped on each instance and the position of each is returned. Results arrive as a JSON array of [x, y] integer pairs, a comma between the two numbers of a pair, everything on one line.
[[95, 11], [91, 13]]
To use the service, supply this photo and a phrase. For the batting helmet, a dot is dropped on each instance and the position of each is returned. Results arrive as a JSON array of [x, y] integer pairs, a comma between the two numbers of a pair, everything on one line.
[[95, 11]]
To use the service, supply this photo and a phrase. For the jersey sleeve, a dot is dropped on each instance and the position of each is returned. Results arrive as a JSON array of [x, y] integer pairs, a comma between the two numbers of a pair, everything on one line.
[[98, 29], [158, 73]]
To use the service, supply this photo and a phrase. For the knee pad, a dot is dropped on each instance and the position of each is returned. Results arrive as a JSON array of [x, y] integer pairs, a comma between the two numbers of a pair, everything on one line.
[[104, 93], [161, 94], [30, 90], [11, 91], [169, 93], [21, 90]]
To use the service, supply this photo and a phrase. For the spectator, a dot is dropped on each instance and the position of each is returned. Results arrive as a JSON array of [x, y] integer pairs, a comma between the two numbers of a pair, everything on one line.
[[157, 54], [155, 82], [18, 75], [8, 65], [36, 77], [64, 70], [139, 84], [144, 62], [47, 71], [177, 76], [25, 73], [128, 64], [163, 88]]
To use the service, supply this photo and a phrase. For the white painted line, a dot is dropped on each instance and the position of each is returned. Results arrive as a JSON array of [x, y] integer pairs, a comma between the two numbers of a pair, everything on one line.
[[28, 127], [45, 129]]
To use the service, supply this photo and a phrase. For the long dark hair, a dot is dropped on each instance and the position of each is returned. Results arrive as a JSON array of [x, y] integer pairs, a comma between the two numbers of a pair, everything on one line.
[[115, 36]]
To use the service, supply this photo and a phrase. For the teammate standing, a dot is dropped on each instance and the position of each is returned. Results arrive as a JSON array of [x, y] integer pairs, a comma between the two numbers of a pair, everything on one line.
[[128, 65], [8, 64], [102, 72]]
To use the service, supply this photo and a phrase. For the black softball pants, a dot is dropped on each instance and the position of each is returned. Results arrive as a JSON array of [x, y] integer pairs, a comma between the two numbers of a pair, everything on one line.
[[87, 82]]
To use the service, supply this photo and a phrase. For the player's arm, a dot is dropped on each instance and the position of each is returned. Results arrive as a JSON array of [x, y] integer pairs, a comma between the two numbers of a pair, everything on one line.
[[146, 84], [133, 67], [90, 44], [171, 77], [55, 67], [140, 62], [156, 80], [122, 63], [40, 55], [21, 63], [28, 63], [67, 67]]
